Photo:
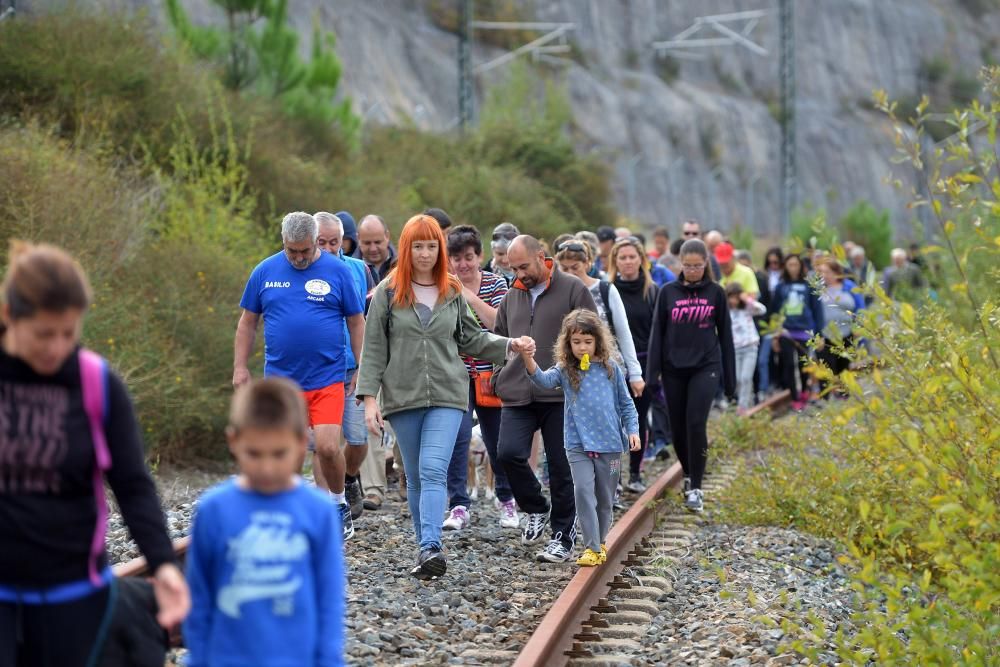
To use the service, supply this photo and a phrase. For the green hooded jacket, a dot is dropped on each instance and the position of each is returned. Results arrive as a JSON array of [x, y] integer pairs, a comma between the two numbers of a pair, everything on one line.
[[417, 367]]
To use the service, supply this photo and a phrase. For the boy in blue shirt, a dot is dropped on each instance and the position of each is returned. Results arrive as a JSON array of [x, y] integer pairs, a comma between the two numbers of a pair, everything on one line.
[[266, 563]]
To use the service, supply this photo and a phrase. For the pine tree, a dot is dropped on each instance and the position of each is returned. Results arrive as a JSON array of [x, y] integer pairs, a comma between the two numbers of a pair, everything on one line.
[[257, 51]]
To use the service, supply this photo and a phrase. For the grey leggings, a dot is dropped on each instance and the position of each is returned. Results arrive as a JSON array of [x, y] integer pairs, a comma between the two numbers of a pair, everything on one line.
[[594, 484]]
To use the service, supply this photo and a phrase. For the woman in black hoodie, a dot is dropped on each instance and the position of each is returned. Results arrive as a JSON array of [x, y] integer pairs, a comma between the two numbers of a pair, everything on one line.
[[690, 345], [628, 269]]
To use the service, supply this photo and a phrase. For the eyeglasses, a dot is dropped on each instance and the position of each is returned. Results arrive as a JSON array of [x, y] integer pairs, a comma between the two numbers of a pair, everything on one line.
[[692, 267], [572, 246]]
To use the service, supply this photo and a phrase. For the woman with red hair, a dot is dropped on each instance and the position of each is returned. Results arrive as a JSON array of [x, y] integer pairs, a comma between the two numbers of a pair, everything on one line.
[[418, 326]]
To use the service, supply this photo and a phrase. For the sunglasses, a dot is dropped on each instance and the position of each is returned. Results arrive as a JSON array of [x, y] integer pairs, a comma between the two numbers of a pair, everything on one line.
[[572, 246], [506, 236]]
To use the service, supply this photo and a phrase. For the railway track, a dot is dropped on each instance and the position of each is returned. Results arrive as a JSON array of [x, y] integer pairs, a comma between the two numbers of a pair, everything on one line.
[[599, 615]]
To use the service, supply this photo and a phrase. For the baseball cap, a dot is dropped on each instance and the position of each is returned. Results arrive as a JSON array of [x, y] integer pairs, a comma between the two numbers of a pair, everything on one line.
[[724, 252]]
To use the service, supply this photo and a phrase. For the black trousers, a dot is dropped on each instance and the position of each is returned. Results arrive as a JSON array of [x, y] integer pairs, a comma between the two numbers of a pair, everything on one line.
[[834, 361], [689, 400], [517, 426], [51, 635], [788, 366], [642, 407]]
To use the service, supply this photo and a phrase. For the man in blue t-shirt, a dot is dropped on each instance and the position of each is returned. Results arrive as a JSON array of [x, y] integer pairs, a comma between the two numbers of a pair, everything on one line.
[[305, 297]]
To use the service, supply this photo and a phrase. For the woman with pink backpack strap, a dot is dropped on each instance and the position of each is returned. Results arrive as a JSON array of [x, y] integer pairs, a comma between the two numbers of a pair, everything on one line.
[[66, 426]]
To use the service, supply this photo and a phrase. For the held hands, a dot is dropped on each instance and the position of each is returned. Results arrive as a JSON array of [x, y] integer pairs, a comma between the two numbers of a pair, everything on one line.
[[172, 595], [525, 346], [634, 444]]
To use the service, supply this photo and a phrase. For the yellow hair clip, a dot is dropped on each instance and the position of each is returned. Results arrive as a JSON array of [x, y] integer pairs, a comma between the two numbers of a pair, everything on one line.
[[585, 362]]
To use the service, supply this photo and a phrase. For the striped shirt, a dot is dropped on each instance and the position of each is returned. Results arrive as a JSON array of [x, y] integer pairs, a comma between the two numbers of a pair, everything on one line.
[[492, 289]]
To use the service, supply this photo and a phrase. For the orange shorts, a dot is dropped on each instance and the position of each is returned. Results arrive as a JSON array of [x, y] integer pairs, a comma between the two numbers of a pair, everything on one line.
[[326, 405]]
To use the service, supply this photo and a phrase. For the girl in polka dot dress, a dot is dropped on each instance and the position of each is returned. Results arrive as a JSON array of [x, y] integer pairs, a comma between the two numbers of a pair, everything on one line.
[[598, 414]]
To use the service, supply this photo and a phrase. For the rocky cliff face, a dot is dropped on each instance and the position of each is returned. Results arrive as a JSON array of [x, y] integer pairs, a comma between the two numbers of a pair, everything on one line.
[[689, 138]]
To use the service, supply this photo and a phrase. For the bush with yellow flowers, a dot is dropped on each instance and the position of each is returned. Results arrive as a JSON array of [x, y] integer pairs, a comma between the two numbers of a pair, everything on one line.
[[906, 473]]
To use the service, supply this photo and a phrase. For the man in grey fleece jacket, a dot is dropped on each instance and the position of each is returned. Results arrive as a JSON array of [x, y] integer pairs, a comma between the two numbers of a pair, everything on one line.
[[535, 306]]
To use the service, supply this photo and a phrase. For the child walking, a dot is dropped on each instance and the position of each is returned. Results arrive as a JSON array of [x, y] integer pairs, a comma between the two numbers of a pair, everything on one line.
[[742, 309], [265, 566], [598, 407]]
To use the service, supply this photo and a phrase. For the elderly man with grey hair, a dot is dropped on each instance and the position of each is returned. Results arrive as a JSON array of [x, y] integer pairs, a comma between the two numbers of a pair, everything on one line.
[[305, 297], [503, 235], [902, 279]]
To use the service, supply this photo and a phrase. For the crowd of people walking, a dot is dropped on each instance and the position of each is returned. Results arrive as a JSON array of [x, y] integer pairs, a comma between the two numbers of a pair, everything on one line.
[[592, 351]]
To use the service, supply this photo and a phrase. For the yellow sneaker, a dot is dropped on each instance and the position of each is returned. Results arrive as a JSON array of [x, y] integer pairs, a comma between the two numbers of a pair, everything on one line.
[[604, 554], [590, 558]]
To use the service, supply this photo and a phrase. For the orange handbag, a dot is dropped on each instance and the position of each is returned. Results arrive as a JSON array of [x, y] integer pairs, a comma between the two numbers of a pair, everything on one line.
[[485, 396]]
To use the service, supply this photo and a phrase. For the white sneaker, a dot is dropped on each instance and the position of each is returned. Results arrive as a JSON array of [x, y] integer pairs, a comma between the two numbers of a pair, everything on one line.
[[458, 518], [554, 552], [508, 515], [695, 500]]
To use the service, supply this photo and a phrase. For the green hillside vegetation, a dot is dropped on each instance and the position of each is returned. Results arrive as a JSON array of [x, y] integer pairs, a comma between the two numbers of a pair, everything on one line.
[[170, 188]]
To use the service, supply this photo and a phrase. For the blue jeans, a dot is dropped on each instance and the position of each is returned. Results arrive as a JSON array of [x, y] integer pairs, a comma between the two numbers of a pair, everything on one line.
[[764, 363], [458, 470], [426, 438]]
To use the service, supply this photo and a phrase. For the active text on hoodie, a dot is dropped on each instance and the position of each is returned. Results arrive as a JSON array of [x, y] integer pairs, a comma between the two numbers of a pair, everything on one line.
[[691, 329]]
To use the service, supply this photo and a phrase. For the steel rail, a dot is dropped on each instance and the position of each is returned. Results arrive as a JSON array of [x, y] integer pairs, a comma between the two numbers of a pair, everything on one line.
[[555, 633]]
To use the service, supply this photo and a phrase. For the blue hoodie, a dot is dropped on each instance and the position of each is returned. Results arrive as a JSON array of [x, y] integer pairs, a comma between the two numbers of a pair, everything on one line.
[[802, 309], [350, 232]]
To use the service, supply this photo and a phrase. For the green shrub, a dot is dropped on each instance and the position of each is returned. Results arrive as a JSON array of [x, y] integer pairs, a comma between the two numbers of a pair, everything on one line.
[[742, 237], [870, 229], [906, 474], [935, 69], [155, 316], [964, 89], [808, 228]]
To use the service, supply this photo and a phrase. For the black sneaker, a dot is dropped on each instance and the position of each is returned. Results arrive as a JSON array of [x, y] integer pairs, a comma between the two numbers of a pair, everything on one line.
[[355, 499], [347, 521], [431, 564]]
